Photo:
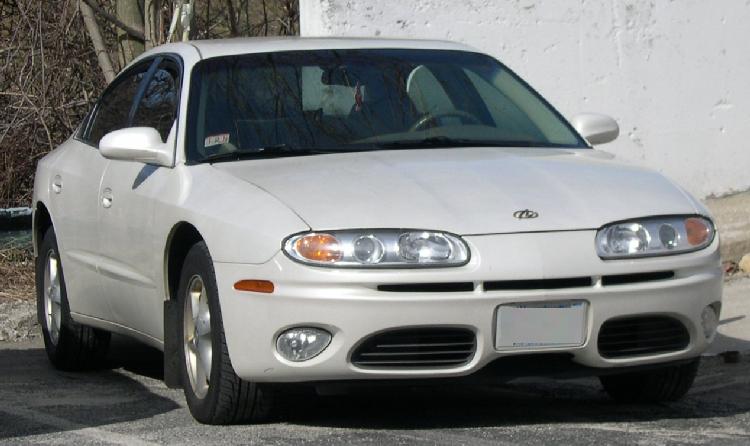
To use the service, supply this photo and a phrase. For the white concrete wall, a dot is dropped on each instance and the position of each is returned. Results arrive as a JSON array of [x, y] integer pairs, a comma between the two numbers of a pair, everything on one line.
[[675, 74]]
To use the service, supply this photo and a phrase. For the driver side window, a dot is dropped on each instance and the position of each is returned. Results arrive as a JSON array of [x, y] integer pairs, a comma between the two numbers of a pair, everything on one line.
[[158, 107], [113, 109]]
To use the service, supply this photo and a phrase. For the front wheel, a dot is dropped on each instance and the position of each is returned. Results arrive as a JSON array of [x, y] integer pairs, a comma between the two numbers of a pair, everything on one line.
[[214, 392], [652, 386]]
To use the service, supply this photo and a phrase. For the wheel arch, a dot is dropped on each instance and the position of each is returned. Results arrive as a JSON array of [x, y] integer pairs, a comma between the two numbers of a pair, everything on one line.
[[41, 222], [181, 238]]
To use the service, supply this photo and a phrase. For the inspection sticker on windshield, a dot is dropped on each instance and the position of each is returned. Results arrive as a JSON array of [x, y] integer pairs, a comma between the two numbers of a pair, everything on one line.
[[215, 140]]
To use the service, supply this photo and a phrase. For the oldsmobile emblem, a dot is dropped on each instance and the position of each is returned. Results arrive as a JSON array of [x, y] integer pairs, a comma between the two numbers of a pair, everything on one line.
[[525, 213]]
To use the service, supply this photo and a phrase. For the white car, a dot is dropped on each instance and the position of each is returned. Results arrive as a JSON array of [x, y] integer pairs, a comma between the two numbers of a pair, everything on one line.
[[323, 210]]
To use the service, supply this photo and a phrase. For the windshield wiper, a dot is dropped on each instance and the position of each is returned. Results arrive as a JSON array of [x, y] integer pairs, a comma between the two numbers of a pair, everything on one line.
[[275, 151], [443, 141], [431, 142]]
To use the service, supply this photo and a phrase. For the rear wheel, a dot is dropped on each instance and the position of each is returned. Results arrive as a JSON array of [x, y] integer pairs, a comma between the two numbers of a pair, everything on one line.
[[69, 345], [214, 392], [652, 386]]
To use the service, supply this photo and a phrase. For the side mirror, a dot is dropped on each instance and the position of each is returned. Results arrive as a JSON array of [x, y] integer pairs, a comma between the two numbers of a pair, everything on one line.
[[596, 128], [142, 144]]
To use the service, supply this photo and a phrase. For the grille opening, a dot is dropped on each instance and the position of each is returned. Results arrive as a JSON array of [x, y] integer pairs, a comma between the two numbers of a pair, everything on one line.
[[541, 284], [623, 279], [530, 284], [428, 347], [645, 335], [452, 287]]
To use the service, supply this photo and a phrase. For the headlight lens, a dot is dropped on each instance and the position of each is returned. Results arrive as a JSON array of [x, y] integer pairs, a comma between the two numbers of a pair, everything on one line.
[[378, 248], [654, 237]]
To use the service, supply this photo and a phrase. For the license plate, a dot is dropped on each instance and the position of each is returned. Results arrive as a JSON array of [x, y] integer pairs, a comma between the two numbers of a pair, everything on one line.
[[533, 325]]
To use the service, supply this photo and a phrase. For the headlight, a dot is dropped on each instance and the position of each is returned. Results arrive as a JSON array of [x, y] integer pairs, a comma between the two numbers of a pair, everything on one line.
[[654, 237], [378, 248]]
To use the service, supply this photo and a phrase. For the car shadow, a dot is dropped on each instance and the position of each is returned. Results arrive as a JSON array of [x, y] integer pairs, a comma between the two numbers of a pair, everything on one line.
[[721, 390], [128, 390], [37, 399]]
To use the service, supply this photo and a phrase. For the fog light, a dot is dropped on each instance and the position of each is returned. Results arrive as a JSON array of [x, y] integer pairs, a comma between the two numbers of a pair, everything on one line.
[[709, 321], [302, 343]]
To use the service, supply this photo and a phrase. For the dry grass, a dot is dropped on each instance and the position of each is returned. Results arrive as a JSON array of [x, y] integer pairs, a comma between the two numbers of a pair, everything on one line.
[[16, 273]]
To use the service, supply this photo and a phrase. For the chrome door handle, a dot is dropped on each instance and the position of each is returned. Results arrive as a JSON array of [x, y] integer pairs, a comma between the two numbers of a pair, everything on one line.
[[57, 184], [107, 198]]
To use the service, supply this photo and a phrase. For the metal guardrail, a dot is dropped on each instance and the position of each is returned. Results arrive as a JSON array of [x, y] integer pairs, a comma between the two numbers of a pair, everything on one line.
[[15, 218]]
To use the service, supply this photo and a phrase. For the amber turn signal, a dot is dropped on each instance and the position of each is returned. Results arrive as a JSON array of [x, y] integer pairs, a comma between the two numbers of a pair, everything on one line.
[[697, 231], [256, 286], [319, 248]]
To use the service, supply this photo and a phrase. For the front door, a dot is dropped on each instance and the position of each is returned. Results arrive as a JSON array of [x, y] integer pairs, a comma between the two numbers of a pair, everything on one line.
[[132, 255]]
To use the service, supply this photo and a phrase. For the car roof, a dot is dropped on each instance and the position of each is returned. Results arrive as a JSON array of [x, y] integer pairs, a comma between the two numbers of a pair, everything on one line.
[[226, 47]]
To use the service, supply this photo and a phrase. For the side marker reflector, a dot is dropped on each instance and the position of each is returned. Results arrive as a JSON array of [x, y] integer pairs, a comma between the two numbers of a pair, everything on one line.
[[255, 286]]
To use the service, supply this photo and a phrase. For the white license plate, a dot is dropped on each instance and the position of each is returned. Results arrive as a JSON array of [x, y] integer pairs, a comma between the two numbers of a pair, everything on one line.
[[534, 325]]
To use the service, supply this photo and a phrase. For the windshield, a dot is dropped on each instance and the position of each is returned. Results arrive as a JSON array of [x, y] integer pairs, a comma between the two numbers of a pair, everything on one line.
[[323, 101]]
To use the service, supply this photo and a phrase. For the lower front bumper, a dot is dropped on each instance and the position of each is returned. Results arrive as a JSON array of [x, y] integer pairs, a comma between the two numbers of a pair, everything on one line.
[[348, 305]]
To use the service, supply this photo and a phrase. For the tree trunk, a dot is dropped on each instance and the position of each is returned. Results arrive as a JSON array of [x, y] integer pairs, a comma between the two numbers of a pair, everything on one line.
[[265, 19], [130, 13], [152, 15], [232, 18], [187, 20], [92, 28]]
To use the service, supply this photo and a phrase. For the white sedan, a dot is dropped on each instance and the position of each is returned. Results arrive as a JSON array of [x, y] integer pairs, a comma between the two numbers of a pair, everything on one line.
[[324, 210]]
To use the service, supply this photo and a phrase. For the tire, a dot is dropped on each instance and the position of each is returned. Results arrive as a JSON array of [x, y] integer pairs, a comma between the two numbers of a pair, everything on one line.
[[70, 346], [652, 386], [219, 396]]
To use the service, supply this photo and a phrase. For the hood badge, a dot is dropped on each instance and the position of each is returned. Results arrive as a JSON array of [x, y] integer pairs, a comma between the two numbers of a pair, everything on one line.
[[525, 213]]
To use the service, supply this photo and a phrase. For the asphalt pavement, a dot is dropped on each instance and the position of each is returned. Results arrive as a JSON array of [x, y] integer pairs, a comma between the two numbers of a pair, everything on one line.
[[127, 403]]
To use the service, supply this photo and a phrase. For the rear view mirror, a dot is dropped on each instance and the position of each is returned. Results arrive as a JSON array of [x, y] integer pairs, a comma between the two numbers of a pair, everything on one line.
[[141, 144], [596, 128]]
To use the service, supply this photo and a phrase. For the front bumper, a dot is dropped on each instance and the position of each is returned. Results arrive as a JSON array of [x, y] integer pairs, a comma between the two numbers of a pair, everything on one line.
[[348, 304]]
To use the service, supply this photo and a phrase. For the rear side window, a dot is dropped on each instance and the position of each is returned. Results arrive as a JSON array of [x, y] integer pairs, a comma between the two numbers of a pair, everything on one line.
[[158, 108]]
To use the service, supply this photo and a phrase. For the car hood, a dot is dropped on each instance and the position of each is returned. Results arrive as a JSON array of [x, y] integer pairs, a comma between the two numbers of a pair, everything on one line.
[[464, 190]]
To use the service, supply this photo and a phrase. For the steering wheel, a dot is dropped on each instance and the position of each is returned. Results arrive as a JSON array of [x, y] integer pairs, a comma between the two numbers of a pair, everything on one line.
[[430, 118]]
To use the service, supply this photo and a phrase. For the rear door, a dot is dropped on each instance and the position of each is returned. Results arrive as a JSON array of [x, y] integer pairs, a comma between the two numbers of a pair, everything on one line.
[[75, 198], [132, 254]]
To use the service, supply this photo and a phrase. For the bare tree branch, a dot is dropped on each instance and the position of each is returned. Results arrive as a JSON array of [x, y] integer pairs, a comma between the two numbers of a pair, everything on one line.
[[47, 51], [132, 32], [105, 63]]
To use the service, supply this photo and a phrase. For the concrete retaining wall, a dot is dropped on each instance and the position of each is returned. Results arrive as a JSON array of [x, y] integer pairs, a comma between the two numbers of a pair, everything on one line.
[[675, 74]]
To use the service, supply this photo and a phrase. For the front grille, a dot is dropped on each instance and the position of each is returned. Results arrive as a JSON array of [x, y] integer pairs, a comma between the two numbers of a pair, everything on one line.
[[417, 348], [538, 284], [625, 279], [528, 284], [448, 287], [646, 335]]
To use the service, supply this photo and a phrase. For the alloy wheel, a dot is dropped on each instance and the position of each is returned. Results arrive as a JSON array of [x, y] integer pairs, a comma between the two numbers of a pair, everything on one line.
[[52, 296], [197, 336]]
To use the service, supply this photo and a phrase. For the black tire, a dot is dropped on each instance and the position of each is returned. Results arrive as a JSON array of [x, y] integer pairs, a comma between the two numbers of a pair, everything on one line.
[[229, 399], [651, 386], [76, 347]]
